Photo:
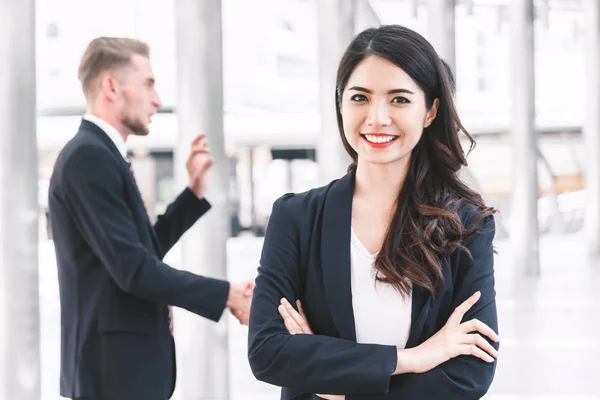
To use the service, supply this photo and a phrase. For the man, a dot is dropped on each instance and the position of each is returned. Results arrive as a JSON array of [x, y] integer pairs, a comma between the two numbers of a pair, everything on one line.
[[115, 291]]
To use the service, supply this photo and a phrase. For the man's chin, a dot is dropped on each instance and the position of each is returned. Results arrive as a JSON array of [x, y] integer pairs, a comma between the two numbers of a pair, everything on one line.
[[139, 130]]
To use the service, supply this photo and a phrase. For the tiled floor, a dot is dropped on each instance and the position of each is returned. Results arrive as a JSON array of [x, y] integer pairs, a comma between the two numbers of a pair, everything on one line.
[[549, 326]]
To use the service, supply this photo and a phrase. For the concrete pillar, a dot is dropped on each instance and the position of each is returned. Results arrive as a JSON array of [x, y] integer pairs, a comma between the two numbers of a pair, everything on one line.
[[442, 33], [335, 20], [591, 129], [524, 231], [289, 176], [365, 16], [252, 189], [415, 8], [19, 211], [246, 185], [203, 348]]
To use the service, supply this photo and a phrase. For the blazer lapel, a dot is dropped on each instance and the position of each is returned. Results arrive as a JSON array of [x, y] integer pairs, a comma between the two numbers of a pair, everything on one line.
[[140, 201], [421, 303], [87, 126], [335, 254], [335, 259]]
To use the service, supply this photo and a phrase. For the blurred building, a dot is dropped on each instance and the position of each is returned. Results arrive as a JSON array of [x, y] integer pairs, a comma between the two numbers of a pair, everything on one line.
[[272, 93]]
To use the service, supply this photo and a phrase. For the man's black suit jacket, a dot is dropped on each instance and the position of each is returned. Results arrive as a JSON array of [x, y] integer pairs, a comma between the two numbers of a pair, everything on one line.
[[114, 287]]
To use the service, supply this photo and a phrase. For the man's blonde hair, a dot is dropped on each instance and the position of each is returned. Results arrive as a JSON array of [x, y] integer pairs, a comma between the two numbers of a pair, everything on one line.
[[105, 54]]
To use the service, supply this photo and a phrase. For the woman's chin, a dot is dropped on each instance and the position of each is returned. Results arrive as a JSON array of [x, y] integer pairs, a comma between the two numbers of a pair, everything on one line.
[[384, 161]]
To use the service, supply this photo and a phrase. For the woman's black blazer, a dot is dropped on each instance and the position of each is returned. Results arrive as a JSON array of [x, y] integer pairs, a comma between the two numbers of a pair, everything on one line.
[[306, 256]]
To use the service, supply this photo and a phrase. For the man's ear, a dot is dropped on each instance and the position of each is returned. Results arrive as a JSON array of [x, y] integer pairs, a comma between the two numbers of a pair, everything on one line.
[[109, 87]]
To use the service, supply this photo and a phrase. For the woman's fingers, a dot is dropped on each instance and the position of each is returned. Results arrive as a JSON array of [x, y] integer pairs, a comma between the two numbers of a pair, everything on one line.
[[304, 321], [471, 349], [461, 310], [300, 309], [295, 322], [479, 341], [298, 322], [475, 325], [291, 311], [292, 327]]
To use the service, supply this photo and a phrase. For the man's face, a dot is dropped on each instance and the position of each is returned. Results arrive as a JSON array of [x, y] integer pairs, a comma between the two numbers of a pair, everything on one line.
[[138, 100]]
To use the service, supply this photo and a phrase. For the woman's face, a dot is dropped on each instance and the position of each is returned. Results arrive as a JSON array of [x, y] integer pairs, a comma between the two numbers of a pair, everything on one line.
[[383, 112]]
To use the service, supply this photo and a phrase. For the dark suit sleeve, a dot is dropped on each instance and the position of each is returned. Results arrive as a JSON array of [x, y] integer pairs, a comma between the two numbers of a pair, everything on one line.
[[94, 189], [306, 363], [463, 377], [178, 218]]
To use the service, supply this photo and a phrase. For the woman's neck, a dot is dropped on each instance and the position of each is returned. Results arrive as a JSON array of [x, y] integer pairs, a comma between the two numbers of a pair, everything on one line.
[[380, 183]]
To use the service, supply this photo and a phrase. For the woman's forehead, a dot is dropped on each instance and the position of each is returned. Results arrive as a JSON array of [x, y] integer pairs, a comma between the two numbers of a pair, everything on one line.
[[376, 73]]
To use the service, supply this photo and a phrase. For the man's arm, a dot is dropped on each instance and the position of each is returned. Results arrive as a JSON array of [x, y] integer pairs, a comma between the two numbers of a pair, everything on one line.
[[178, 218], [190, 204], [95, 199]]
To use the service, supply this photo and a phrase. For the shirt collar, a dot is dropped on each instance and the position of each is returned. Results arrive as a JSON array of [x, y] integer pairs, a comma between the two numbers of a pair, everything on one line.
[[110, 131]]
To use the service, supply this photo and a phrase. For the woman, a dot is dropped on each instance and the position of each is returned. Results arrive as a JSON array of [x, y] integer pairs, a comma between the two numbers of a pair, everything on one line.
[[392, 263]]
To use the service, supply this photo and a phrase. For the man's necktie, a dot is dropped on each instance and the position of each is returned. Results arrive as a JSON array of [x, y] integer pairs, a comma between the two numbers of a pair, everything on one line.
[[129, 164]]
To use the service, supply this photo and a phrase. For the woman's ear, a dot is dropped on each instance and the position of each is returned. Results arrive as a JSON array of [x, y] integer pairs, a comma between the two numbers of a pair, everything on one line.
[[431, 113]]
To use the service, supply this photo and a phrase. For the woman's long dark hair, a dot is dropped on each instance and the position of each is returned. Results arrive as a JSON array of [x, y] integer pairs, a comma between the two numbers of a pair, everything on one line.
[[426, 226]]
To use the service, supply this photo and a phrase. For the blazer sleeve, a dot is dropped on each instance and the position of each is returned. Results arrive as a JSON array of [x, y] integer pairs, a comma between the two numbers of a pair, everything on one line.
[[178, 218], [462, 377], [96, 201], [306, 363]]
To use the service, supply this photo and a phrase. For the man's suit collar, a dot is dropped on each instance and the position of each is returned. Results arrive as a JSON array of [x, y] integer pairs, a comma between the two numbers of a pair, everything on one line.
[[110, 131], [90, 127]]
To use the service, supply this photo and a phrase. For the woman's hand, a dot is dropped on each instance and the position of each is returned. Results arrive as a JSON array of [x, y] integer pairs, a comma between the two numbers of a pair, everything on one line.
[[296, 323], [453, 340]]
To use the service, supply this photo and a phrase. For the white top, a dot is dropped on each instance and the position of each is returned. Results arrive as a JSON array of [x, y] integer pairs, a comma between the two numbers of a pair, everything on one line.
[[381, 315], [110, 131]]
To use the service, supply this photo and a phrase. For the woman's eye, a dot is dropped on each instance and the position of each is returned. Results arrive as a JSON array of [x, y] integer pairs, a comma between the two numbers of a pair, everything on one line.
[[400, 99], [358, 97]]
